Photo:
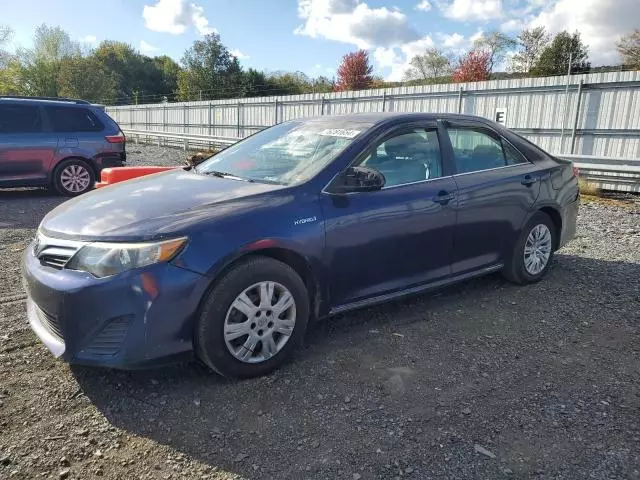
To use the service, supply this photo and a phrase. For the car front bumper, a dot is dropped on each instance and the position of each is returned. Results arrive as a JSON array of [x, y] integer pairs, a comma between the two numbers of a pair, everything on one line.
[[136, 319]]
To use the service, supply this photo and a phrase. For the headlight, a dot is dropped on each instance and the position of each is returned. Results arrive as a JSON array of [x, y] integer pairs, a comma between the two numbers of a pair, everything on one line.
[[105, 259]]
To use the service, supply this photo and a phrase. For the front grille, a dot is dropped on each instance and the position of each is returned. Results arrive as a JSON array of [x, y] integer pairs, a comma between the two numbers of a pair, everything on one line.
[[49, 322], [53, 252], [108, 342], [56, 257]]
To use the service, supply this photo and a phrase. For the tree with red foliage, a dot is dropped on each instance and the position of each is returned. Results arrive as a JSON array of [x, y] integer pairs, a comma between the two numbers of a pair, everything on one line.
[[354, 73], [474, 66]]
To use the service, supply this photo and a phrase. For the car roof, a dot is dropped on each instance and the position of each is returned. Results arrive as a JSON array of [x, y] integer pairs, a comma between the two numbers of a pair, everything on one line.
[[377, 118], [43, 100]]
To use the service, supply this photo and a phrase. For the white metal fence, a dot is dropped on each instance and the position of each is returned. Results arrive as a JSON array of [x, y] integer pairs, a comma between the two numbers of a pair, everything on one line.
[[599, 114]]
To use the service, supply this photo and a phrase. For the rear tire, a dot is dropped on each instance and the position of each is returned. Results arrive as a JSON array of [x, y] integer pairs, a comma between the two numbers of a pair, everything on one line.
[[73, 177], [249, 341], [533, 251]]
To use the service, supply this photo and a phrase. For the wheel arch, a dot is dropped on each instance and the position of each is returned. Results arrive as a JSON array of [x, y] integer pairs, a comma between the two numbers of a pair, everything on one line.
[[55, 168], [556, 218], [298, 262]]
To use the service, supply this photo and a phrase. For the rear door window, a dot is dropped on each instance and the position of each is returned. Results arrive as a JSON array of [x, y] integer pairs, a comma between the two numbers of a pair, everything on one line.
[[476, 149], [70, 119], [20, 119]]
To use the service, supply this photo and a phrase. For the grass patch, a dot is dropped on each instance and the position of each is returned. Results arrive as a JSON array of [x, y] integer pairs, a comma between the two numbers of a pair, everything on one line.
[[589, 189]]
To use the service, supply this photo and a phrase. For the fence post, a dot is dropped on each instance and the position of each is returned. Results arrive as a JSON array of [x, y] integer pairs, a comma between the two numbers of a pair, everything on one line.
[[185, 111], [275, 121], [575, 119], [210, 120], [460, 100], [322, 106], [565, 110], [384, 100], [165, 126], [146, 120], [238, 116]]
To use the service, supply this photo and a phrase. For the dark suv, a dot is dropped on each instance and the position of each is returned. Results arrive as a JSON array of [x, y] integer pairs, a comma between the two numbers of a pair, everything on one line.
[[56, 142]]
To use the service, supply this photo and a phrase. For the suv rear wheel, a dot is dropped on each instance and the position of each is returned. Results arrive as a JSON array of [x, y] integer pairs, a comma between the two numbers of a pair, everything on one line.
[[73, 177]]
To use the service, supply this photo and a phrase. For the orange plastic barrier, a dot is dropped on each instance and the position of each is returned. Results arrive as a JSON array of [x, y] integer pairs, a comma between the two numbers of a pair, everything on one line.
[[109, 176]]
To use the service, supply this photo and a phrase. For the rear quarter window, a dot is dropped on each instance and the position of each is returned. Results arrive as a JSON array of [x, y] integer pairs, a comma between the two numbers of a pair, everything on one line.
[[20, 119], [73, 119]]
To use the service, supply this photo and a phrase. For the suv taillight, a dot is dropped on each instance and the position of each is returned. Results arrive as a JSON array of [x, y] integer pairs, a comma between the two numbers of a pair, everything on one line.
[[576, 170], [119, 138]]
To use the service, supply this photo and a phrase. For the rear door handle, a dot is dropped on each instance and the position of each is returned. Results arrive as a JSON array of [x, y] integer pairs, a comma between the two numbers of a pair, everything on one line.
[[443, 197], [529, 180]]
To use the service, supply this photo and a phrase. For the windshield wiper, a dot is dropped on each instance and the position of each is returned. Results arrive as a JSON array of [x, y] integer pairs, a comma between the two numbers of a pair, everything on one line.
[[218, 174]]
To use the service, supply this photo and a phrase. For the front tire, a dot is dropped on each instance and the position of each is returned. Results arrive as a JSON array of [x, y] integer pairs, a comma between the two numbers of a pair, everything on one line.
[[533, 252], [252, 319], [73, 177]]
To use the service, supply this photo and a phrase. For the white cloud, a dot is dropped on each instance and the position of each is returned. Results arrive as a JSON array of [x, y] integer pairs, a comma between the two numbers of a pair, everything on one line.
[[318, 66], [600, 23], [238, 54], [90, 39], [478, 10], [147, 48], [476, 36], [423, 6], [513, 25], [451, 41], [354, 22], [399, 63], [175, 17]]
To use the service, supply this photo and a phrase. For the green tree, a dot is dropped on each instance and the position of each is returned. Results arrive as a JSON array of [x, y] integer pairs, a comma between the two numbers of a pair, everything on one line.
[[86, 78], [168, 71], [11, 78], [5, 35], [495, 45], [531, 43], [554, 59], [122, 60], [209, 71], [41, 64], [629, 49], [432, 63]]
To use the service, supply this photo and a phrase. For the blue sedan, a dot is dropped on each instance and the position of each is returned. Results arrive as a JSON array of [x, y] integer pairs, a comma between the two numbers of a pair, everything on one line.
[[231, 259]]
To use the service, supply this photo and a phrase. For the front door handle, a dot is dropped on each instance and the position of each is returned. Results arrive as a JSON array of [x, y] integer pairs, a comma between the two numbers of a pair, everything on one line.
[[443, 197], [529, 180]]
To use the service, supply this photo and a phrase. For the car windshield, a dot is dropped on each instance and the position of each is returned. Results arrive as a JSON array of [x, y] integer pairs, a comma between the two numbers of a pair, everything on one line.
[[287, 154]]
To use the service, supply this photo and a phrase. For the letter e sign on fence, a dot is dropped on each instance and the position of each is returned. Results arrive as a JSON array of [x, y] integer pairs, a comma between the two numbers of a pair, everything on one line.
[[501, 116]]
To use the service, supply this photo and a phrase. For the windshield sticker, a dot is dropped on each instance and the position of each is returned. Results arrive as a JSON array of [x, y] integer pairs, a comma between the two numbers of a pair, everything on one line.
[[339, 132]]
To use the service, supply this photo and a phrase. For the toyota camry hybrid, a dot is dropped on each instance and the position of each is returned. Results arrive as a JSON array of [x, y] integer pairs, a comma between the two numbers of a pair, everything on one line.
[[231, 259]]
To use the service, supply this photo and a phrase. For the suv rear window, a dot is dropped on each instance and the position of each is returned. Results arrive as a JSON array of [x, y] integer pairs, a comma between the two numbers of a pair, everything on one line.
[[69, 119], [20, 119]]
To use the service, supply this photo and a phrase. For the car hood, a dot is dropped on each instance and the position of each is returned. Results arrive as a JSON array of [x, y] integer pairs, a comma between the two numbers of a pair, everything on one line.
[[151, 206]]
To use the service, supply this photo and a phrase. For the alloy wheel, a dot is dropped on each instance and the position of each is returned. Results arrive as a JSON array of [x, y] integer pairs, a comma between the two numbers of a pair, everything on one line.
[[75, 178], [537, 249], [260, 322]]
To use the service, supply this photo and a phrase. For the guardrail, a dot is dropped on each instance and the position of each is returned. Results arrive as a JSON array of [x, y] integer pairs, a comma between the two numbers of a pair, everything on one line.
[[179, 139], [617, 174]]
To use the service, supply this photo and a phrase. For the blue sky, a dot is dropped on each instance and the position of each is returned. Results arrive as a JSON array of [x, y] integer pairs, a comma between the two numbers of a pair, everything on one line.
[[312, 35]]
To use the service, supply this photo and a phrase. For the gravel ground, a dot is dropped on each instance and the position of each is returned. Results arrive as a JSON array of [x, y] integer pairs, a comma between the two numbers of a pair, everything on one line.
[[481, 380]]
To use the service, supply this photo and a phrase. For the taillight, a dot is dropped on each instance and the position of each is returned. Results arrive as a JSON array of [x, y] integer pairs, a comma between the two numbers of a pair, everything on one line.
[[576, 170], [119, 138]]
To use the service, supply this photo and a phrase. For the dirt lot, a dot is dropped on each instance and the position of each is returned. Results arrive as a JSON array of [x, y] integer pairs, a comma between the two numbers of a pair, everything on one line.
[[482, 380]]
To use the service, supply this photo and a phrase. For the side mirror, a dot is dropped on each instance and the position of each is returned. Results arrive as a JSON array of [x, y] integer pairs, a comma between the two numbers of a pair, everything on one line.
[[358, 179]]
